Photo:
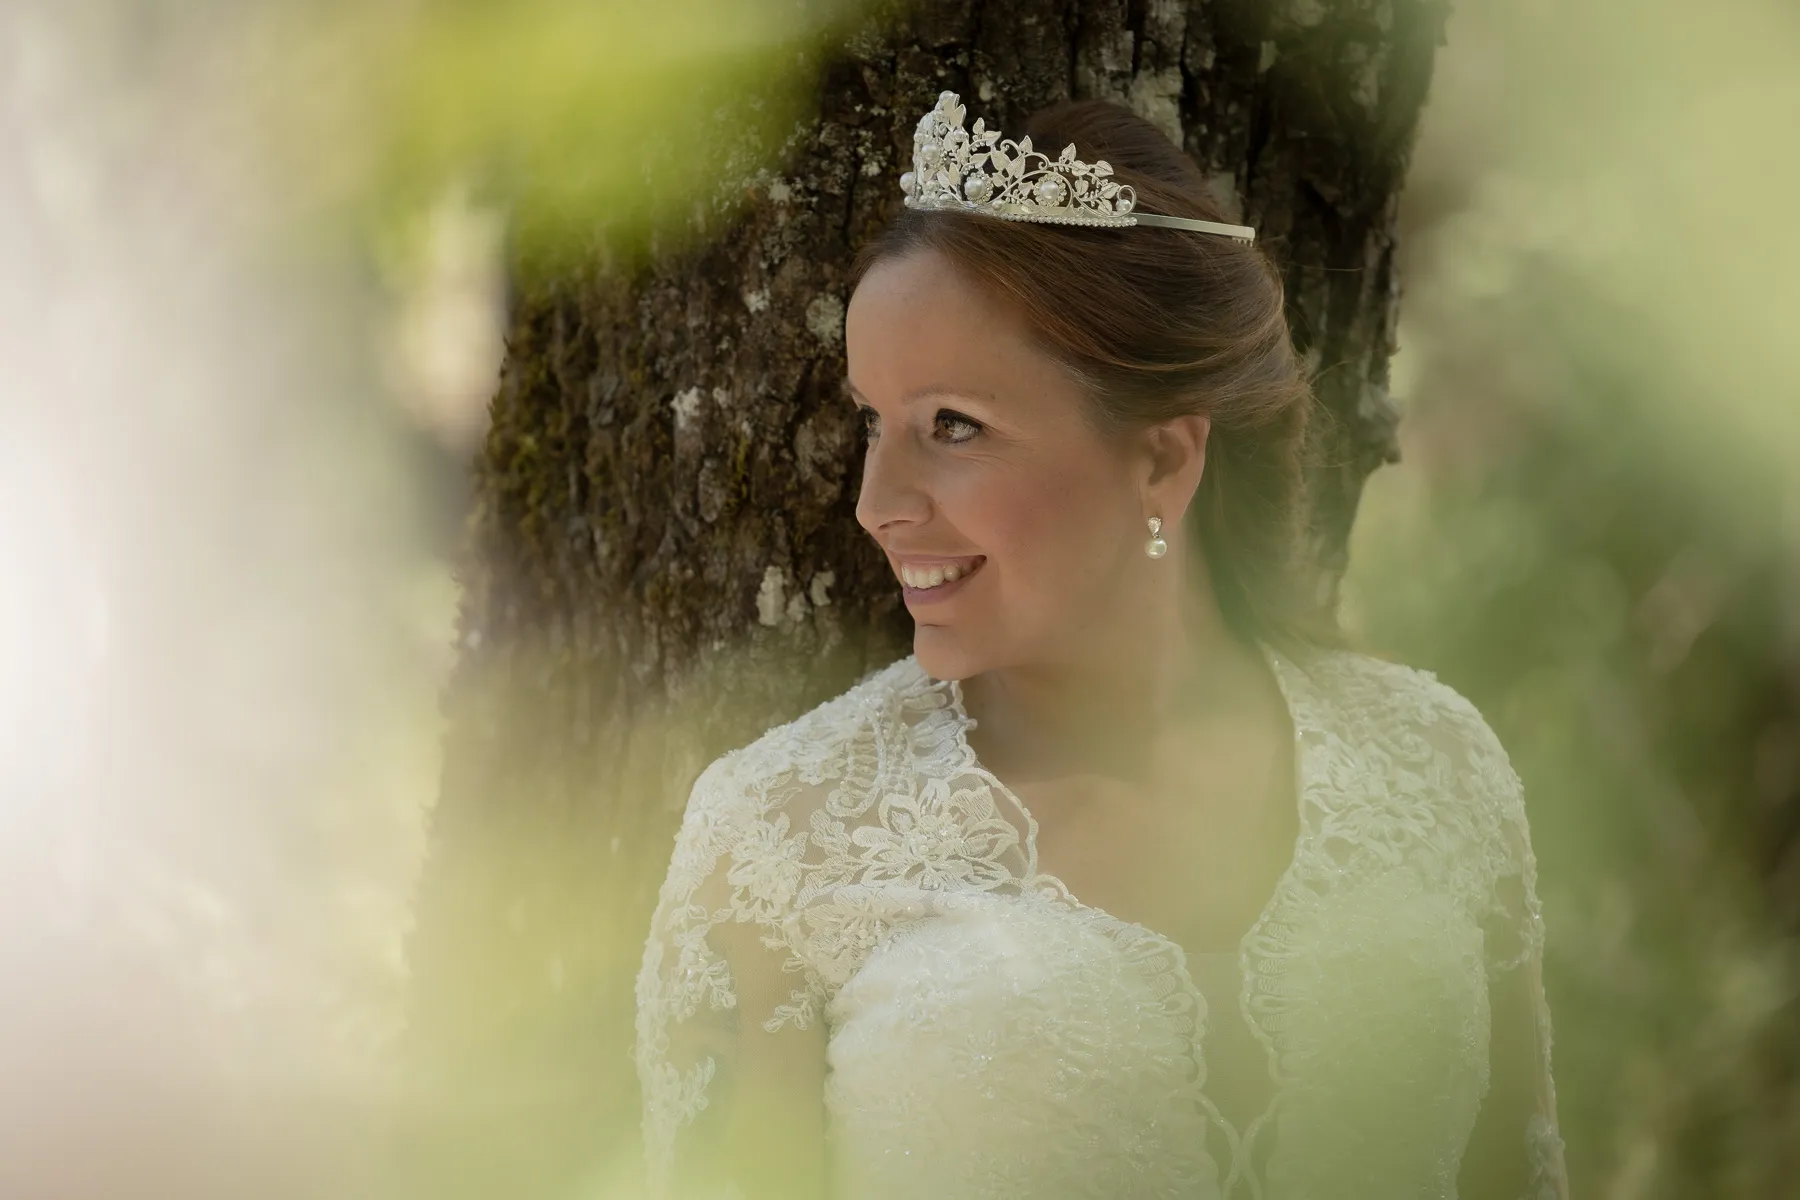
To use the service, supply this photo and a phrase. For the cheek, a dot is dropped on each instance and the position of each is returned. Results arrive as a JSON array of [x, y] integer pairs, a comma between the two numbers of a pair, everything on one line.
[[1043, 528]]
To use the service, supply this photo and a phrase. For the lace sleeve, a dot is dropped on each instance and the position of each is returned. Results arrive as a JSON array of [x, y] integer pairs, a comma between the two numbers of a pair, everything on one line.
[[720, 993], [1520, 1111], [1517, 949]]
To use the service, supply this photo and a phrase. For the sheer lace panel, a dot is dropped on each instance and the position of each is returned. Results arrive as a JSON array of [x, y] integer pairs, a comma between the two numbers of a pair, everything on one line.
[[1441, 772], [717, 948]]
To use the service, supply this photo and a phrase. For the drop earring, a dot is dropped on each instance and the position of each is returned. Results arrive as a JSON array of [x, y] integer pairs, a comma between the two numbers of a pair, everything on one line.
[[1156, 547]]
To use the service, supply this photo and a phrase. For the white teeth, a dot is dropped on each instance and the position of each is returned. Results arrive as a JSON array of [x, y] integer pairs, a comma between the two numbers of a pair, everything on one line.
[[922, 577], [932, 576]]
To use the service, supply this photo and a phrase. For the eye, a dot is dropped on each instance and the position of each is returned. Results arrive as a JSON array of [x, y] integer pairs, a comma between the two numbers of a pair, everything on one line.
[[961, 429], [956, 420]]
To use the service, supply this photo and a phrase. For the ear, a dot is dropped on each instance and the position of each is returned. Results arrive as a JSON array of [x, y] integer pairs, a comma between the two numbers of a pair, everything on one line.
[[1175, 459]]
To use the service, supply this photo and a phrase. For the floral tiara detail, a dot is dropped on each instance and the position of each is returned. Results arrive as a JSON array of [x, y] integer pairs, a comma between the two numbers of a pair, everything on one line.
[[975, 170]]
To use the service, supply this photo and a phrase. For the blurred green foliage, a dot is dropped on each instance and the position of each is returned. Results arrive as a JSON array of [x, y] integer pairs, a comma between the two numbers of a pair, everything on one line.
[[1596, 535], [601, 127]]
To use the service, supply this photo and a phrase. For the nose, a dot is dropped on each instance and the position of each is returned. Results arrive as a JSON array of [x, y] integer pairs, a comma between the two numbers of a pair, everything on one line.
[[894, 486]]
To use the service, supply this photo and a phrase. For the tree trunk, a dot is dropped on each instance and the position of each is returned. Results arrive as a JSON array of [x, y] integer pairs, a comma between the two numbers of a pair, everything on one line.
[[664, 559]]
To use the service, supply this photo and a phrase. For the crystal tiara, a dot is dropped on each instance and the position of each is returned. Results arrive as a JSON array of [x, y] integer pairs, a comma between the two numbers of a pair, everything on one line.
[[975, 170]]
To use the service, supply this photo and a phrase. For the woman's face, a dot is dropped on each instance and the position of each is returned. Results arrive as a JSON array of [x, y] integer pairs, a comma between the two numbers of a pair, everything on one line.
[[979, 458]]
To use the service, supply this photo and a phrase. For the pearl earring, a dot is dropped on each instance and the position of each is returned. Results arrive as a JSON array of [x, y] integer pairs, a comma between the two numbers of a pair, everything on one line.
[[1156, 547]]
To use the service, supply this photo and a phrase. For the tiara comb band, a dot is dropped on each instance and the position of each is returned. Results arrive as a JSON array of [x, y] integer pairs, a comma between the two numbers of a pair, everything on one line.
[[976, 170]]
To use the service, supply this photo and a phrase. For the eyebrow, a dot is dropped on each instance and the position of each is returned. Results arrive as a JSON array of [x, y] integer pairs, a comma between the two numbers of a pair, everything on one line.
[[930, 389]]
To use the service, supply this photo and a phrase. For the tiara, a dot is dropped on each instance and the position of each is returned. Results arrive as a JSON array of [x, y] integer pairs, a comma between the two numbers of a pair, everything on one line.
[[975, 170]]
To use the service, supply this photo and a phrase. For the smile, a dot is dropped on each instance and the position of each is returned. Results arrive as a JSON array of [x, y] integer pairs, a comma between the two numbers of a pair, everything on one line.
[[925, 582]]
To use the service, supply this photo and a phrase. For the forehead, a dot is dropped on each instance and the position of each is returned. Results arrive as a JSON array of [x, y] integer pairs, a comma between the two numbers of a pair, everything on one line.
[[917, 319]]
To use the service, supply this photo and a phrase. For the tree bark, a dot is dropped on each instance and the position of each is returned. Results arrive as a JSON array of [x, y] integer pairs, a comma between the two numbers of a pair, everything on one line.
[[663, 558]]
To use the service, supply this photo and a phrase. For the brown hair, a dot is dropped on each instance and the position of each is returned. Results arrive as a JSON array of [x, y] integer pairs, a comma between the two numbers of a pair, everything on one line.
[[1156, 323]]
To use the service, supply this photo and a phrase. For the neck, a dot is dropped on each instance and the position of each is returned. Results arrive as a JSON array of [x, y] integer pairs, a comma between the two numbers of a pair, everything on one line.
[[1098, 707]]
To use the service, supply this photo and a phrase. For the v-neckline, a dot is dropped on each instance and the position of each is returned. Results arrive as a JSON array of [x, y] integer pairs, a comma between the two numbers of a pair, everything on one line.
[[1278, 667], [1240, 1141]]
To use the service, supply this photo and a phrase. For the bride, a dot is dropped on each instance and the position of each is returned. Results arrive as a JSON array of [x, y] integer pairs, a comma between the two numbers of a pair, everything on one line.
[[1132, 880]]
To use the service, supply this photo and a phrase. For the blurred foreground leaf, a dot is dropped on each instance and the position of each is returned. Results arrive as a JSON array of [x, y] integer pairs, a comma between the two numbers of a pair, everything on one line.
[[597, 125]]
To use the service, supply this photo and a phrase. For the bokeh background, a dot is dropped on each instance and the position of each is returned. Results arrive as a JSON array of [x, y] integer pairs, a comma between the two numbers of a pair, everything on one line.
[[253, 283], [1595, 533]]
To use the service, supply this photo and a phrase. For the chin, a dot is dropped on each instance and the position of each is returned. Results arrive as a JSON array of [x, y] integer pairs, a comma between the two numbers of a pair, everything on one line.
[[944, 653]]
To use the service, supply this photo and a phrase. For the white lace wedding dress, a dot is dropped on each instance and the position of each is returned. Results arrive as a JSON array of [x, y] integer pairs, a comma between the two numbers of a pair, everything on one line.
[[991, 1035]]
